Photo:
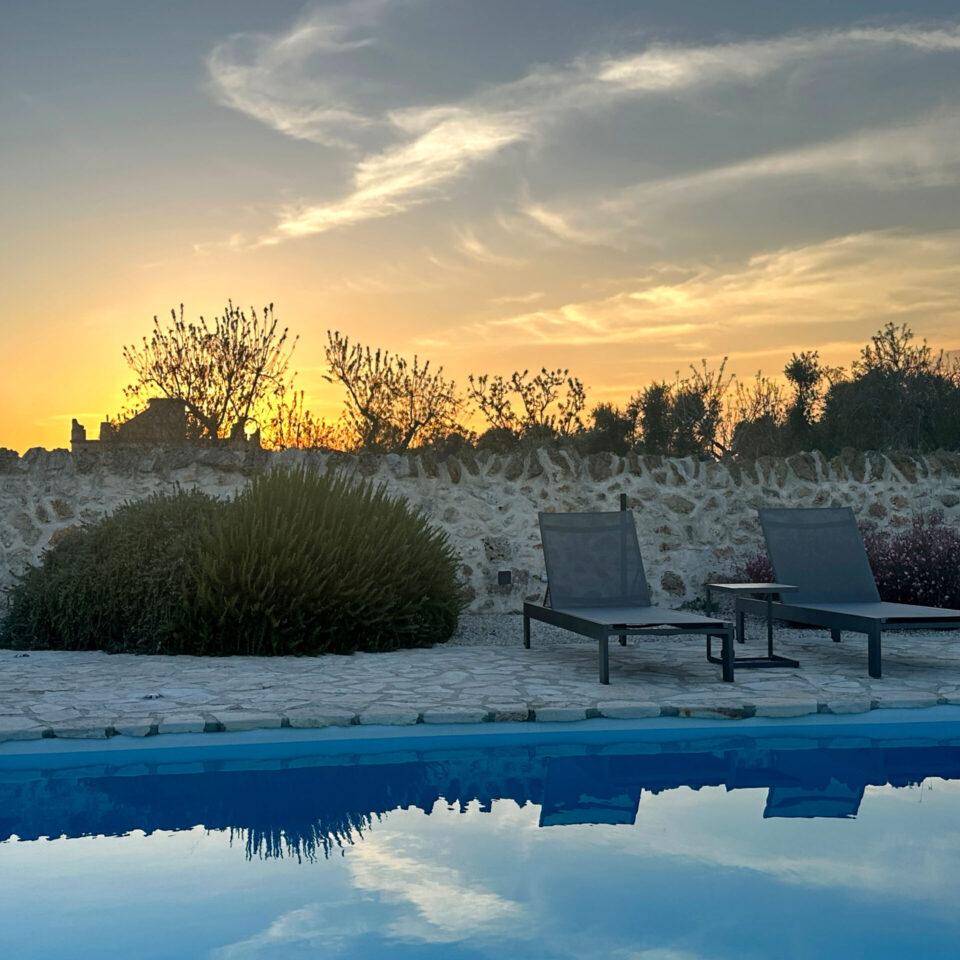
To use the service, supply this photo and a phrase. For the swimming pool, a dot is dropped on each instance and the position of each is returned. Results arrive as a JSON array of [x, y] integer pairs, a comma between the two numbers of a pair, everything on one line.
[[660, 841]]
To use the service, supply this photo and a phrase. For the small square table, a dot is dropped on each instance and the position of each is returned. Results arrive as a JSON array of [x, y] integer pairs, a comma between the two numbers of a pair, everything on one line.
[[767, 591]]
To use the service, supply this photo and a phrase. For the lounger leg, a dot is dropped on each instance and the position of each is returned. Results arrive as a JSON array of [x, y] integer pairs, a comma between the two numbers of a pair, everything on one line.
[[726, 654], [873, 651], [526, 631], [741, 633], [623, 639], [836, 635], [604, 660]]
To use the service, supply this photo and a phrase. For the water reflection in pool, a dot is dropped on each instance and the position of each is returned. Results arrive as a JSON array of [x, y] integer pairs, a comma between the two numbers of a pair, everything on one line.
[[532, 848]]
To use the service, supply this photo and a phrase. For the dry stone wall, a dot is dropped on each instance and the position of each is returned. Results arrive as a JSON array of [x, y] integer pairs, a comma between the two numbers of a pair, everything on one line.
[[695, 520]]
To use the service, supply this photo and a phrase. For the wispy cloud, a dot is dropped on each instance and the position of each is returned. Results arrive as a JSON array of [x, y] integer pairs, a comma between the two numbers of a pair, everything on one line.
[[276, 78], [671, 68], [923, 153], [839, 282], [446, 906], [298, 83], [469, 244]]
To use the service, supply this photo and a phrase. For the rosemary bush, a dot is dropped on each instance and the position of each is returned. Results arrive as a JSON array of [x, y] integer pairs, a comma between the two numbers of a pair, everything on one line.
[[121, 584], [306, 563], [297, 563]]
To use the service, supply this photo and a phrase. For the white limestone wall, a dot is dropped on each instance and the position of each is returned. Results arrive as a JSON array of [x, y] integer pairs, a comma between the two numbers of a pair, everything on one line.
[[694, 520]]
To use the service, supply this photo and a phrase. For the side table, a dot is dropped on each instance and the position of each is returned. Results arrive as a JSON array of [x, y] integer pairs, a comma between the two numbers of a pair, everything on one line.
[[763, 590]]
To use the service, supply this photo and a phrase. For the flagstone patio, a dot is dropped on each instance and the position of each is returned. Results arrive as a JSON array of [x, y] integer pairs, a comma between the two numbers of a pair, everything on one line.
[[483, 675]]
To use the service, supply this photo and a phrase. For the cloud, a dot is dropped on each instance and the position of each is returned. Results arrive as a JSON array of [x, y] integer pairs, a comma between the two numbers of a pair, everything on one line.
[[278, 80], [664, 68], [923, 153], [446, 907], [846, 283], [301, 83], [401, 177], [471, 246]]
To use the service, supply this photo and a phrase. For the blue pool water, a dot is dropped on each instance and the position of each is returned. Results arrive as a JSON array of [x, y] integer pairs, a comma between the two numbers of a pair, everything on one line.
[[691, 841]]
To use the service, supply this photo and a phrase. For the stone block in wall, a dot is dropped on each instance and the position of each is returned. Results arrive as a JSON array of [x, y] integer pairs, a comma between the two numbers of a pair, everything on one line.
[[497, 549], [672, 583], [876, 466], [453, 469], [557, 458], [676, 476], [803, 466], [469, 463], [514, 468], [490, 463], [62, 509], [28, 530], [905, 465], [877, 510], [220, 458], [62, 534], [598, 466], [715, 474], [9, 460], [949, 500], [853, 464], [678, 504], [428, 464], [534, 465]]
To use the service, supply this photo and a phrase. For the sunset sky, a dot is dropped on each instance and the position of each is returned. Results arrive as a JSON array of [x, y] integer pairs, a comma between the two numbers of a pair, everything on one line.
[[614, 186]]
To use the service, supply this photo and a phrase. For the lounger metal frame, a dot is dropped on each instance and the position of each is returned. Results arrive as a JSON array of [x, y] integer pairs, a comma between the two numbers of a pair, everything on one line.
[[602, 631], [820, 550], [610, 597], [836, 622]]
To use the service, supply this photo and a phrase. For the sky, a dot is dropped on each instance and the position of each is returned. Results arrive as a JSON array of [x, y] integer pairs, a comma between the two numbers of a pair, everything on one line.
[[619, 187], [473, 885]]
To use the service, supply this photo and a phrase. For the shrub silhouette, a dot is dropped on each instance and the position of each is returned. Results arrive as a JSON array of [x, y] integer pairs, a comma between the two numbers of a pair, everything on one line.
[[302, 562], [121, 584], [296, 563]]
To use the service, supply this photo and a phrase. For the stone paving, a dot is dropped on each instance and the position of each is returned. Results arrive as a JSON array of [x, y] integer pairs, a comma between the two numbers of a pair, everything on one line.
[[484, 674]]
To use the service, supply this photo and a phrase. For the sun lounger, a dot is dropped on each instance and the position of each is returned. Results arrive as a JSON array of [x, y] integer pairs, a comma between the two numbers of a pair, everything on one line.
[[597, 588], [820, 550]]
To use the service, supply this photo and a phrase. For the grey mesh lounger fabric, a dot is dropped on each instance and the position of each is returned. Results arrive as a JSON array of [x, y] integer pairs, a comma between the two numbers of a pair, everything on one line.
[[820, 551], [597, 587]]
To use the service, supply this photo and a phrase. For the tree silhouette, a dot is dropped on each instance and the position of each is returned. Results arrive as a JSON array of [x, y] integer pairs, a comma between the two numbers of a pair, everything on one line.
[[391, 404], [228, 373]]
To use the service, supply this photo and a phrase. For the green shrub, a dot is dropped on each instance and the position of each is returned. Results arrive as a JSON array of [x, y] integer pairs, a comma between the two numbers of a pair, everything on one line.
[[301, 562], [121, 584], [297, 563]]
